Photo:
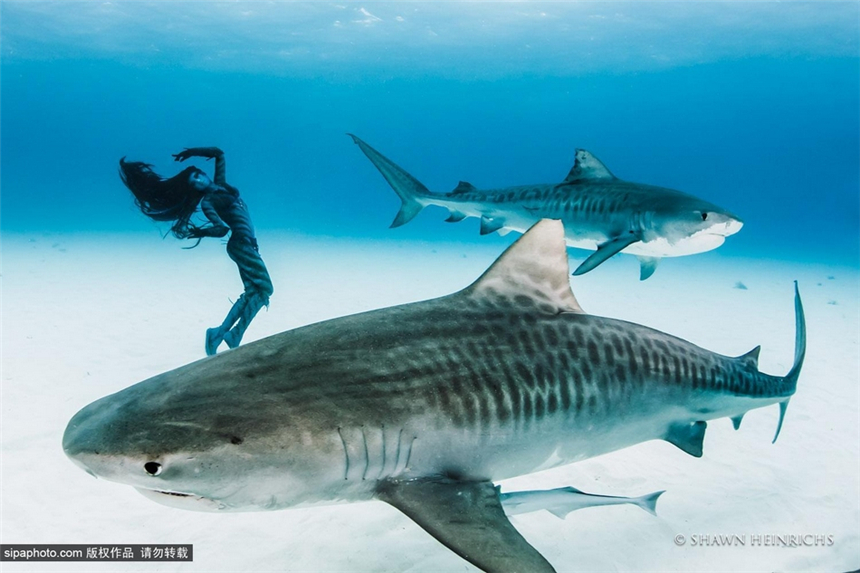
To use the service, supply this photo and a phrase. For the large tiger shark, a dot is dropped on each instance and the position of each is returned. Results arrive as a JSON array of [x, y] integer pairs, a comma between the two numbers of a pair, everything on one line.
[[600, 212], [423, 406]]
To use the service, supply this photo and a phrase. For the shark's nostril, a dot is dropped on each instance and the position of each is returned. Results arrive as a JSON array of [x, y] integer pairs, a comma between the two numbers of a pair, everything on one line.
[[152, 468]]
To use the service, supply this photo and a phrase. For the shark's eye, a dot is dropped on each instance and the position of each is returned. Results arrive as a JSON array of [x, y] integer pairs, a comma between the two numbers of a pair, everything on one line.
[[704, 216], [152, 468]]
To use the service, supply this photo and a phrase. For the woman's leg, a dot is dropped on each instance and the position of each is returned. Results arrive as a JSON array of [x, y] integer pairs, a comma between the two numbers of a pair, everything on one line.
[[214, 336], [258, 287], [255, 301]]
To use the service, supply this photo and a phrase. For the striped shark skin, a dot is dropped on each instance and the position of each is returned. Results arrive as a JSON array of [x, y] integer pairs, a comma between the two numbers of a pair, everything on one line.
[[600, 212], [423, 406]]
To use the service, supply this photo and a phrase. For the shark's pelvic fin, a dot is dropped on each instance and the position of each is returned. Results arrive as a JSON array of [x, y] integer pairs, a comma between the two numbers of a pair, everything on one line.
[[455, 216], [606, 250], [407, 187], [688, 437], [647, 266], [490, 225], [736, 421], [585, 167], [464, 187], [535, 267], [466, 517], [751, 357]]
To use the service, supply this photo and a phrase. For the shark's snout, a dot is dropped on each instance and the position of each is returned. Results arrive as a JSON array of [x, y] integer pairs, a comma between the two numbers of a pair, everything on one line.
[[720, 223], [80, 436]]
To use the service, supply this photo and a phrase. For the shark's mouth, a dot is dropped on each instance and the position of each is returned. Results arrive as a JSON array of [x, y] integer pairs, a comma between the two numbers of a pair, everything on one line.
[[174, 493], [182, 500]]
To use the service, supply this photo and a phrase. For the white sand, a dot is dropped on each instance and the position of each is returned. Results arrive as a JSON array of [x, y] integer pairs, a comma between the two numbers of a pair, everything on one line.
[[87, 315]]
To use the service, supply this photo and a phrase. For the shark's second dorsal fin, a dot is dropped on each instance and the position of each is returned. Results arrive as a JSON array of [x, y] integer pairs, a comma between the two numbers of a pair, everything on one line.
[[464, 187], [751, 357], [534, 270], [585, 167]]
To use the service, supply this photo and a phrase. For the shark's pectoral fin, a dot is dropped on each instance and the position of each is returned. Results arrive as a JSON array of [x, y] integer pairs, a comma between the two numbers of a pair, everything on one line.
[[647, 266], [491, 224], [455, 216], [688, 437], [606, 250], [466, 517]]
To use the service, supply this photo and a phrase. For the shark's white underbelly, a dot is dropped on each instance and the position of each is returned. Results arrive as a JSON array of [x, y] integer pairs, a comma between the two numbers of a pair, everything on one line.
[[583, 236]]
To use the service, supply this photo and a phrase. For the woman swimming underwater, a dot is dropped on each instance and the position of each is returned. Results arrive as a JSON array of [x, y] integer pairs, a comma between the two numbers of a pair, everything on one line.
[[177, 198]]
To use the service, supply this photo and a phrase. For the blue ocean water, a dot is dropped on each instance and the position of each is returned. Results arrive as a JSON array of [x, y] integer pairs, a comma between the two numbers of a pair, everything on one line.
[[755, 107]]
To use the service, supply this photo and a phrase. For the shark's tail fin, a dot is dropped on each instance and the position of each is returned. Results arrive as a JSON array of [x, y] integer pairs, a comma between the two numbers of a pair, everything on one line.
[[409, 189], [799, 354], [649, 502]]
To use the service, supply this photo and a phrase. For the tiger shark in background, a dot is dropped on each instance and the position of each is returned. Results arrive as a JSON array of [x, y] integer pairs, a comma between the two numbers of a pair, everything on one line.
[[424, 406], [600, 212]]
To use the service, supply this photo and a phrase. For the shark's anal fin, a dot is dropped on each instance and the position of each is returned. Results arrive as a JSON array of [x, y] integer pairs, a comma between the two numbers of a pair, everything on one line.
[[466, 517], [490, 225], [688, 437], [736, 421], [606, 250], [647, 266]]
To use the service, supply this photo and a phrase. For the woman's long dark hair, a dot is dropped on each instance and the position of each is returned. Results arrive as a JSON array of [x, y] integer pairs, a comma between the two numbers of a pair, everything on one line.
[[160, 199]]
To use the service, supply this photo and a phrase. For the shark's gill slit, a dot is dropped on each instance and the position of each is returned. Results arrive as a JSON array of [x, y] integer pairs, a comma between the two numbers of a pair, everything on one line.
[[382, 467], [345, 455], [397, 456], [409, 453], [366, 455]]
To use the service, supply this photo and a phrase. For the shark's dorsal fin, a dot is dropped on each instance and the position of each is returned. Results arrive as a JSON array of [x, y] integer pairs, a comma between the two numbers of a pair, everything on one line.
[[464, 187], [750, 358], [466, 517], [585, 167], [533, 270]]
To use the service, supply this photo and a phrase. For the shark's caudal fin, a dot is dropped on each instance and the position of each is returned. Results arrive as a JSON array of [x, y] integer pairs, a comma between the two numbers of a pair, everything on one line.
[[799, 355], [649, 502], [409, 189], [533, 269]]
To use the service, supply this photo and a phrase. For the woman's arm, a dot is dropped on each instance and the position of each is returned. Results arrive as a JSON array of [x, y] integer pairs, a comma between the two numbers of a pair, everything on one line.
[[220, 177], [218, 229]]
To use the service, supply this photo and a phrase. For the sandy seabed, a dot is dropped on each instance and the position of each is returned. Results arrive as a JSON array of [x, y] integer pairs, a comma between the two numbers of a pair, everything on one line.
[[87, 315]]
